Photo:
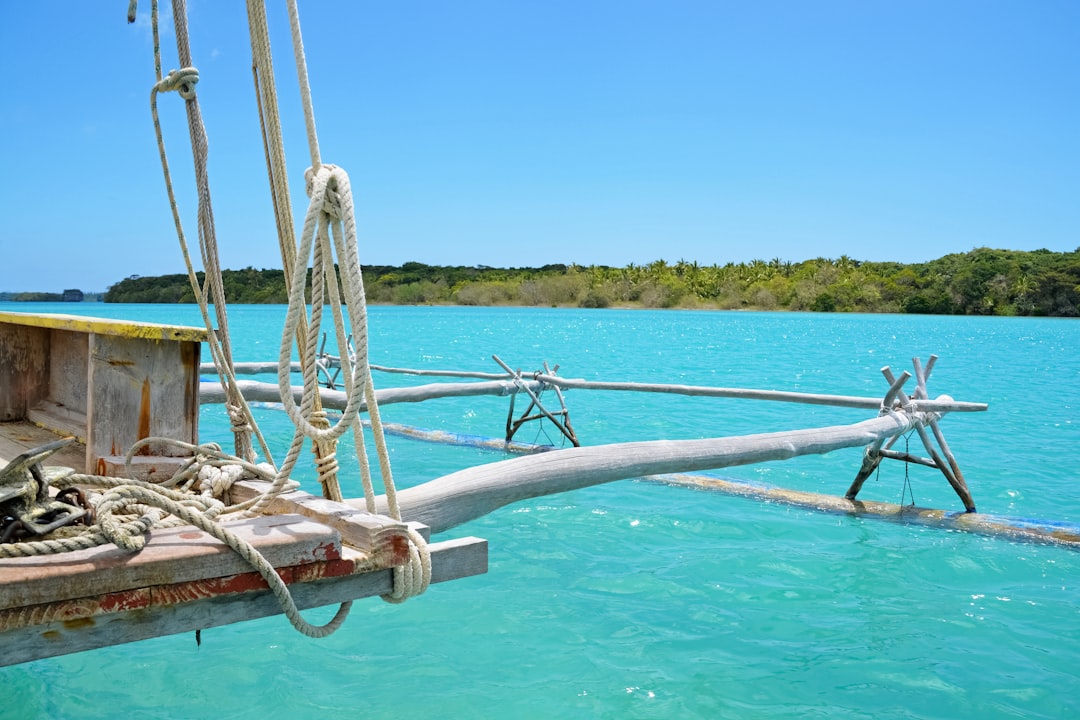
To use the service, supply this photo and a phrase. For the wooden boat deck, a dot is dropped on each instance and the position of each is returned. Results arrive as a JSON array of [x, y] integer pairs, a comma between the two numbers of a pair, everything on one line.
[[184, 579], [18, 436]]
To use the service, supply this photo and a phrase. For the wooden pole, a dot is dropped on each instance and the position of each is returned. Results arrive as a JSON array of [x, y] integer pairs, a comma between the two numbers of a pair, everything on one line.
[[871, 460], [457, 498], [956, 482], [535, 401], [865, 403], [941, 404]]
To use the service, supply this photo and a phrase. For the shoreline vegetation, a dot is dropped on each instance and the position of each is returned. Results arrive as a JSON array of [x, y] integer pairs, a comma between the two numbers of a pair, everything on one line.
[[983, 281]]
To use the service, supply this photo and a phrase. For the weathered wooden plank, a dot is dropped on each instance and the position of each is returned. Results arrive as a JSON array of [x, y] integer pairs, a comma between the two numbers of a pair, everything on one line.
[[62, 421], [69, 355], [453, 499], [373, 533], [24, 369], [151, 468], [105, 326], [140, 389], [135, 617], [18, 437], [170, 556]]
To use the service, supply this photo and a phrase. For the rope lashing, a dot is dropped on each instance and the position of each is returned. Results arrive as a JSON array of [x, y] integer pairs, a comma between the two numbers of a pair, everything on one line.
[[182, 81]]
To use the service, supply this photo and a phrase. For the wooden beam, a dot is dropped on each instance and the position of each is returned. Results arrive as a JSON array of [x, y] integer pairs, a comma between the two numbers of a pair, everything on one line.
[[358, 528], [465, 495], [140, 616], [336, 399], [171, 555], [18, 437], [105, 326]]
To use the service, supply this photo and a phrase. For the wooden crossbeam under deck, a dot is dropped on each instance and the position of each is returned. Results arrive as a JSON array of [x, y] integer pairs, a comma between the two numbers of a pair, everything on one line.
[[185, 580]]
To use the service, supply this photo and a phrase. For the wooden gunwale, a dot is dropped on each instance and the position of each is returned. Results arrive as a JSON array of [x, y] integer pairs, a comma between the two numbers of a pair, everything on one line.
[[105, 326]]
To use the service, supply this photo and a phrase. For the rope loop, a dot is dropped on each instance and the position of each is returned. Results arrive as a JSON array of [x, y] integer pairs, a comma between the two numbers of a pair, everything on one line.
[[182, 81], [413, 578]]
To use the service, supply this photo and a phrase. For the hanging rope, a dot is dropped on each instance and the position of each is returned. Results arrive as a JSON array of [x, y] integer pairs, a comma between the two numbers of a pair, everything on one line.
[[329, 231], [184, 82]]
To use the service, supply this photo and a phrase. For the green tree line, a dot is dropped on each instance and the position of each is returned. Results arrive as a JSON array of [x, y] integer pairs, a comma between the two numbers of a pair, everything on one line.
[[983, 281]]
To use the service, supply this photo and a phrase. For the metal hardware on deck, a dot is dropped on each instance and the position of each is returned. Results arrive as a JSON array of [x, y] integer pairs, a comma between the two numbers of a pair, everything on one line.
[[25, 505]]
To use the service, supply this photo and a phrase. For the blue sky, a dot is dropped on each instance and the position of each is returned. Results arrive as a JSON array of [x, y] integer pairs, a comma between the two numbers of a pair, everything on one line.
[[513, 133]]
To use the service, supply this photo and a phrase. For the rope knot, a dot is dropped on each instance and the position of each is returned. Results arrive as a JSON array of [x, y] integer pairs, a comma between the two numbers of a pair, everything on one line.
[[237, 418], [216, 481], [182, 81], [331, 198]]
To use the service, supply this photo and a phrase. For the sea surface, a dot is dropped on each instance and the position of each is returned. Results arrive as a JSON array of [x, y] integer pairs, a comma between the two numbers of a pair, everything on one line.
[[641, 600]]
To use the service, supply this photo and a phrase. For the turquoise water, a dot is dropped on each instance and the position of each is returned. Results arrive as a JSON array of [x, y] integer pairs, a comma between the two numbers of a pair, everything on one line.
[[640, 600]]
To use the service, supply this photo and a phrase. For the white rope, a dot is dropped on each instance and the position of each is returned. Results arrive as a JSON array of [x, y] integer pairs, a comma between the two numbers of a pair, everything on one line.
[[184, 81], [120, 497], [329, 231], [331, 215]]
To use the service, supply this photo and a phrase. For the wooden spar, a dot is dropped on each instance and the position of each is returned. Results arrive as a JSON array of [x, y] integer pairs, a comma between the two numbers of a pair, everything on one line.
[[865, 403], [457, 498], [250, 368], [334, 399], [443, 373], [271, 368], [943, 404]]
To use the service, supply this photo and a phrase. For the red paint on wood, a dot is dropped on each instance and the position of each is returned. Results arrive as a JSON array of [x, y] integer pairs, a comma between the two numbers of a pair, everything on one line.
[[123, 601], [399, 549], [326, 551], [319, 571]]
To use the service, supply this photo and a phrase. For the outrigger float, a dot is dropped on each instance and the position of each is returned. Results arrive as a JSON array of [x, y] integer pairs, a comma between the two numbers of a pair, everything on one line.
[[118, 524]]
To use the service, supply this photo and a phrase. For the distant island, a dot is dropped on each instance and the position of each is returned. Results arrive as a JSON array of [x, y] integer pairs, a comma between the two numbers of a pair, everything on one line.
[[71, 295], [983, 281]]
